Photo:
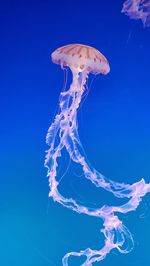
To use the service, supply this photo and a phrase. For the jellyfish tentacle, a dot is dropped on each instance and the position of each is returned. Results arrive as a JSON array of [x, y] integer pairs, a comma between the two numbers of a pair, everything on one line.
[[66, 127], [69, 139], [120, 233]]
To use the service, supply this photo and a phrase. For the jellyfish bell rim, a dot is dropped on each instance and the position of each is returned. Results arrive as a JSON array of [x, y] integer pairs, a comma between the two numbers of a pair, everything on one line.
[[79, 62]]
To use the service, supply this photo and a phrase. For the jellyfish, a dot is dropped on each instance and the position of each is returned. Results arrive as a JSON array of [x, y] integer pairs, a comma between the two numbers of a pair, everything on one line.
[[138, 9], [63, 134]]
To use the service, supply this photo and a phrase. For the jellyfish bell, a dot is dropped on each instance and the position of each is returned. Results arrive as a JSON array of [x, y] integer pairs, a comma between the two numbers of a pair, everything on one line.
[[81, 58]]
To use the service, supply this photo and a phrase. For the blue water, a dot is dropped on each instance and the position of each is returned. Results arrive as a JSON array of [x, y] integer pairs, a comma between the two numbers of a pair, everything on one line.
[[114, 127]]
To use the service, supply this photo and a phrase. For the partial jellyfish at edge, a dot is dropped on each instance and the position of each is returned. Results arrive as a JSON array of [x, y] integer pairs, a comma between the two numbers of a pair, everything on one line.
[[138, 9]]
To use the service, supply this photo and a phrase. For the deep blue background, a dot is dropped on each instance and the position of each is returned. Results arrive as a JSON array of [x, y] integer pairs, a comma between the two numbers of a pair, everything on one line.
[[114, 126]]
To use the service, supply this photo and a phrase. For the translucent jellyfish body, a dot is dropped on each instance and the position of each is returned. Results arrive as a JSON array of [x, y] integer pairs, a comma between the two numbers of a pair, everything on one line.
[[63, 134]]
